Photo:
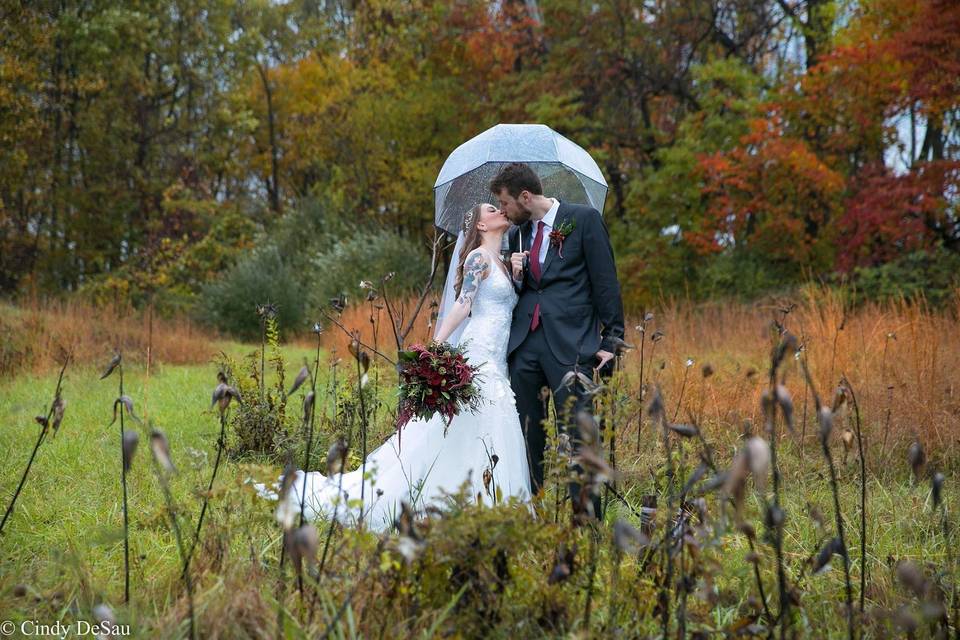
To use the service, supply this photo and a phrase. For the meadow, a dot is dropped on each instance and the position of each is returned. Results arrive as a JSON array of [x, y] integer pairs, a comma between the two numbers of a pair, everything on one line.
[[699, 538]]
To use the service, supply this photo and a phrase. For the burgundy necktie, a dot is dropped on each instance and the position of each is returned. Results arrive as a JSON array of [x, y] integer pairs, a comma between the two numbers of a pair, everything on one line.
[[535, 269]]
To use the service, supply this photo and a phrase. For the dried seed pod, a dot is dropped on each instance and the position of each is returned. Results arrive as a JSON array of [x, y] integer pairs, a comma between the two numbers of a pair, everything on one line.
[[758, 459], [126, 402], [774, 517], [308, 401], [114, 363], [299, 380], [846, 437], [656, 410], [563, 445], [717, 481], [570, 378], [685, 430], [628, 538], [59, 405], [223, 394], [817, 516], [364, 361], [910, 575], [620, 346], [336, 455], [916, 457], [161, 450], [302, 544], [104, 615], [588, 428], [937, 490], [826, 424], [839, 398], [594, 465], [564, 564], [821, 561], [129, 445], [706, 370], [735, 480], [785, 401], [286, 510]]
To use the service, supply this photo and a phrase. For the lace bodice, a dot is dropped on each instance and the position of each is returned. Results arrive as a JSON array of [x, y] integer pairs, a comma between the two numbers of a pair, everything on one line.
[[487, 334]]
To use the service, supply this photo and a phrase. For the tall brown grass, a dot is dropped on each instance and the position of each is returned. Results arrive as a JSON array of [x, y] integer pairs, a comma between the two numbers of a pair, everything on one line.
[[920, 363], [35, 331]]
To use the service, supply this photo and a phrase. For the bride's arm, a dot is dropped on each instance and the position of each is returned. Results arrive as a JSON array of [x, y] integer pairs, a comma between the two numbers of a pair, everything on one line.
[[475, 269]]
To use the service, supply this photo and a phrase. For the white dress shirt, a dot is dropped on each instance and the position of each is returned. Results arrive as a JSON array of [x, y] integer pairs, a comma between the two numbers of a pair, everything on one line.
[[548, 220]]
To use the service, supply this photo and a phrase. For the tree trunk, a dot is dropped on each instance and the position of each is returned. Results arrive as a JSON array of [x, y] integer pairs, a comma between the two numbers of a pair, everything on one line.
[[273, 189]]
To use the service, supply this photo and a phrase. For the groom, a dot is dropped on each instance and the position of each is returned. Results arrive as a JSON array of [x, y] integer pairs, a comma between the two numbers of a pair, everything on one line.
[[569, 313]]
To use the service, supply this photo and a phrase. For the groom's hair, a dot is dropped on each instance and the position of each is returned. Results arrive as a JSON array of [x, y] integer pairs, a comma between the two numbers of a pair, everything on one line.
[[516, 177]]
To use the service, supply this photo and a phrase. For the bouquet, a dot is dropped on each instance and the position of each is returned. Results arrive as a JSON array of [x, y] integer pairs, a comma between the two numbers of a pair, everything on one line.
[[435, 378]]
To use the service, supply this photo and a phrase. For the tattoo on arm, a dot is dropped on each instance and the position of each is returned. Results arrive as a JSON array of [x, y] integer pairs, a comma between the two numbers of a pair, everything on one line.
[[475, 269]]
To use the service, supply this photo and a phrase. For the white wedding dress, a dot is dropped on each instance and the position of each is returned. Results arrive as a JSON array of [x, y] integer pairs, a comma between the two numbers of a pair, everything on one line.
[[423, 466]]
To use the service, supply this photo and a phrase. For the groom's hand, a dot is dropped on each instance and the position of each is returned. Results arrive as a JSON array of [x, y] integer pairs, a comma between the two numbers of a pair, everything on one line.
[[516, 262], [604, 357]]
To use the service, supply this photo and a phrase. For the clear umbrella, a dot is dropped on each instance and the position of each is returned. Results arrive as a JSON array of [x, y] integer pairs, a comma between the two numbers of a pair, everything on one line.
[[566, 170]]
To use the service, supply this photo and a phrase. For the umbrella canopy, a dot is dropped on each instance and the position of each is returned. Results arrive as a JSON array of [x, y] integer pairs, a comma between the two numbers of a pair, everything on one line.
[[566, 170]]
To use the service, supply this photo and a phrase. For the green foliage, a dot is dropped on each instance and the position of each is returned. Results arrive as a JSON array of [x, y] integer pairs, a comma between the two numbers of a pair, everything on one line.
[[743, 275], [263, 276], [667, 201], [259, 424], [174, 273], [367, 255], [934, 275]]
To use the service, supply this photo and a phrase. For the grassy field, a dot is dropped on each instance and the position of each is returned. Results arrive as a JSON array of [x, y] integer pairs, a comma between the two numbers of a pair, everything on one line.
[[488, 571]]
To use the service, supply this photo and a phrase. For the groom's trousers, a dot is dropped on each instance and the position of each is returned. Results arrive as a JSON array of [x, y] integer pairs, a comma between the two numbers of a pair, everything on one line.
[[533, 367]]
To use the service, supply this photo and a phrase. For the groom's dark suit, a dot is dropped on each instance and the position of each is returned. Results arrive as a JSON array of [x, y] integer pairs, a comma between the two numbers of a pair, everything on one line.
[[580, 313]]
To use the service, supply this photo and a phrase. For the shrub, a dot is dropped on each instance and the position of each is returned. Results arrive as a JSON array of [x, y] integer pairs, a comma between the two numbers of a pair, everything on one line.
[[260, 425], [934, 274], [264, 276], [368, 255]]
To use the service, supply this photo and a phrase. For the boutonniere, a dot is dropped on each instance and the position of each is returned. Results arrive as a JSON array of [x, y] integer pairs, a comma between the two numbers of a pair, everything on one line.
[[558, 235]]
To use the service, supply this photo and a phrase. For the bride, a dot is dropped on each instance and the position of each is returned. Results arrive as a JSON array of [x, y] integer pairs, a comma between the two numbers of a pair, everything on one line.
[[486, 449]]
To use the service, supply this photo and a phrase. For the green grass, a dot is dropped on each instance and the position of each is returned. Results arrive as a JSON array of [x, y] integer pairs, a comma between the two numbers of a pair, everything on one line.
[[65, 537], [64, 540]]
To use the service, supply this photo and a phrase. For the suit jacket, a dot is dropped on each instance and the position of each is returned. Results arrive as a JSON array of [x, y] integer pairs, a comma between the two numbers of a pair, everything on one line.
[[579, 294]]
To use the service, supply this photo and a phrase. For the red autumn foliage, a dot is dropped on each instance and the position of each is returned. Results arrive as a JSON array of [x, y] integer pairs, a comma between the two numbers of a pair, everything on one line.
[[771, 192], [889, 215]]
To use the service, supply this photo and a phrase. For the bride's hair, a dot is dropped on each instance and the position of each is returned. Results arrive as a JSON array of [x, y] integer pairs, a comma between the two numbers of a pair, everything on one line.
[[471, 240]]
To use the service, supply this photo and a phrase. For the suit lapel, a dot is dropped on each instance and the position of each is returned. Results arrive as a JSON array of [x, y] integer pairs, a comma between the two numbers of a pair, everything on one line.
[[563, 213]]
